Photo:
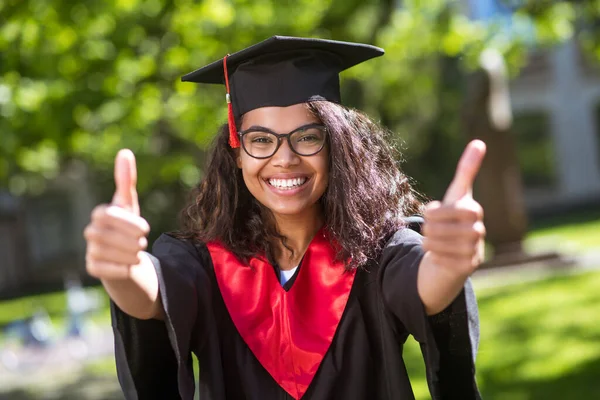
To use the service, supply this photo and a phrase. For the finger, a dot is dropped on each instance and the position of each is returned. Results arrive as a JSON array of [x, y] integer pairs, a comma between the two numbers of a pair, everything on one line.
[[466, 171], [452, 248], [100, 252], [463, 265], [121, 220], [448, 231], [126, 181], [114, 238], [433, 205], [108, 270], [467, 211]]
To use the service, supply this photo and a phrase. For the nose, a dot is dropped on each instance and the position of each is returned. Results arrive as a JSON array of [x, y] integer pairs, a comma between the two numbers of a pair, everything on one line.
[[284, 157]]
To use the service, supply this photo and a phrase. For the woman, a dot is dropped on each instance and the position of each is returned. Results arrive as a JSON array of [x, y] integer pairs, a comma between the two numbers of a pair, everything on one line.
[[293, 275]]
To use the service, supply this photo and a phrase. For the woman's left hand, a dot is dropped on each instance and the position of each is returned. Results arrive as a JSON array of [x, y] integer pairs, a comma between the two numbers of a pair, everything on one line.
[[454, 231]]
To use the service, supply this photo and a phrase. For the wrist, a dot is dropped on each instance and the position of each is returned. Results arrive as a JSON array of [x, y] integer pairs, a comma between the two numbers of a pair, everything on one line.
[[438, 284]]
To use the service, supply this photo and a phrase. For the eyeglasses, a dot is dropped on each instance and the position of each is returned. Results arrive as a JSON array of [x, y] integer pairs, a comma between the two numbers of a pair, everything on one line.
[[306, 140]]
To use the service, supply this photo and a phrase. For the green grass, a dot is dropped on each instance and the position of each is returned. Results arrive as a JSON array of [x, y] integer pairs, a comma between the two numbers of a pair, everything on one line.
[[102, 367], [53, 303], [55, 306], [538, 341], [542, 340], [571, 233]]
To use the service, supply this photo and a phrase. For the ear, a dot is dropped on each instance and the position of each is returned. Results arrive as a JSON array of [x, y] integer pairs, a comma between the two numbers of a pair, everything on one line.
[[238, 158]]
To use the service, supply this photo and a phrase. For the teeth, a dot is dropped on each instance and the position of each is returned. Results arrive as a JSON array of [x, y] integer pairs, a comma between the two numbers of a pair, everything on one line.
[[287, 183]]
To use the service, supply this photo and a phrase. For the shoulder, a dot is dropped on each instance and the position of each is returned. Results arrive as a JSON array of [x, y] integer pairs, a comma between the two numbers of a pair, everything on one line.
[[403, 248], [177, 257], [171, 245], [404, 237], [171, 241]]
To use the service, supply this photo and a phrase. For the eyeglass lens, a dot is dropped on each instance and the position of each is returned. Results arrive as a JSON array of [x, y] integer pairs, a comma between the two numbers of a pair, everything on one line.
[[305, 142]]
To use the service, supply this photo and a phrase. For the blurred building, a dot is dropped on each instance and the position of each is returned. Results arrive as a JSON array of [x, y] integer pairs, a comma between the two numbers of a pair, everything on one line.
[[41, 239], [556, 107], [556, 103]]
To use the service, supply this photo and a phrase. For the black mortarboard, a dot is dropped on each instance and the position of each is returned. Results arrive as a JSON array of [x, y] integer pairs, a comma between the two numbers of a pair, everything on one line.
[[282, 71]]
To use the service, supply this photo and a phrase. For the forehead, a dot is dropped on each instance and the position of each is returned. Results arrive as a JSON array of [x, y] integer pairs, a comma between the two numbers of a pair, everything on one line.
[[282, 119]]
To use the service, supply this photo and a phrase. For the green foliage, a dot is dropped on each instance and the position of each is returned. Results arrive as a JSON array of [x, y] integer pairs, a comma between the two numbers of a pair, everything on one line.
[[80, 80]]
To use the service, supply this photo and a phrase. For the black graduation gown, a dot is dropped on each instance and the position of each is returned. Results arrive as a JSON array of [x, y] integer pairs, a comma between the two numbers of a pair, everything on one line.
[[363, 361]]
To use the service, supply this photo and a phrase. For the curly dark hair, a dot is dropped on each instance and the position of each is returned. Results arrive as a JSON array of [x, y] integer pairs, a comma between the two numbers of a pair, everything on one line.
[[365, 201]]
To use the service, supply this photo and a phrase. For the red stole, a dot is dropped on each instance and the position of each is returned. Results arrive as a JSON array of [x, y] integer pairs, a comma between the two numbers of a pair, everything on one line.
[[288, 332]]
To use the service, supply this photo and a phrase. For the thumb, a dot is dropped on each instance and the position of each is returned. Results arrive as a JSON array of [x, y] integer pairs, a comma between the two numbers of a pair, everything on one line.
[[126, 180], [466, 171]]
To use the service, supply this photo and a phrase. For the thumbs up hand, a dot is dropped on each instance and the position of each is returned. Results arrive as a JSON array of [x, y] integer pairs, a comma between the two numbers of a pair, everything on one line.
[[454, 230], [117, 234]]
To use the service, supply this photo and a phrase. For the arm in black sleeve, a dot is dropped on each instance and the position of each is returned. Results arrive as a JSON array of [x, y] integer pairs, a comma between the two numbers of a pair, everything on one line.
[[449, 339], [146, 363], [154, 357]]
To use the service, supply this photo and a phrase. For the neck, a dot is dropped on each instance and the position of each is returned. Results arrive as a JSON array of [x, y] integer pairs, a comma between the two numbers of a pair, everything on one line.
[[299, 231]]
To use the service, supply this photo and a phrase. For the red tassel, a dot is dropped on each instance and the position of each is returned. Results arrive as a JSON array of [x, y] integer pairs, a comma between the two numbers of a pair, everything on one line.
[[234, 141]]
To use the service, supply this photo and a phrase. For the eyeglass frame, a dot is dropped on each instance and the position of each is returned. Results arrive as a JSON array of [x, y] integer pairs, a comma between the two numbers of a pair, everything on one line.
[[280, 136]]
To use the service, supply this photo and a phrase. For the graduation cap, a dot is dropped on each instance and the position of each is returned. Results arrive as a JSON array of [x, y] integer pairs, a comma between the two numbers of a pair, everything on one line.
[[282, 71]]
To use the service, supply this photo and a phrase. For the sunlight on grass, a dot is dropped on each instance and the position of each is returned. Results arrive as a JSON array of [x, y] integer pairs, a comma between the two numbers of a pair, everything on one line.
[[569, 233], [55, 304], [540, 332], [105, 366], [416, 369], [538, 341]]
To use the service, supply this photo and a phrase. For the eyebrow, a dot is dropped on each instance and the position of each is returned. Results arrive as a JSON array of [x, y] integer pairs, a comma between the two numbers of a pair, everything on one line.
[[258, 128], [265, 129]]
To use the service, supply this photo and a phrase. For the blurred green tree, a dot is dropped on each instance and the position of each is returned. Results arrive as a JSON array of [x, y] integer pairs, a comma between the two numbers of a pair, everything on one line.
[[80, 80]]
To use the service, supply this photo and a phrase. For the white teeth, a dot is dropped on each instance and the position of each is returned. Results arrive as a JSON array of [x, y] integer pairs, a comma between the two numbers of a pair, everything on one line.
[[287, 183]]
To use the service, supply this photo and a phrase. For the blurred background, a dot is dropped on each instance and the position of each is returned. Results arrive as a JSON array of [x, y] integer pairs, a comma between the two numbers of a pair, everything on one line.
[[80, 80]]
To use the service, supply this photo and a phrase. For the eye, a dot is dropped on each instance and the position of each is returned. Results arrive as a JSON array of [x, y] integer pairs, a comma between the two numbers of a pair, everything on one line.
[[258, 138], [308, 138], [310, 135], [261, 139]]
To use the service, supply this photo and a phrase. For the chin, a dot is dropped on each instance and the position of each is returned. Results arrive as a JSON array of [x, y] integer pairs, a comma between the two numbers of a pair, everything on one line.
[[290, 209]]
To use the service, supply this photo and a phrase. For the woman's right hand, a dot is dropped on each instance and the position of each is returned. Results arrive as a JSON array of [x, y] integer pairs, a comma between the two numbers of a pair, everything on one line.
[[116, 235]]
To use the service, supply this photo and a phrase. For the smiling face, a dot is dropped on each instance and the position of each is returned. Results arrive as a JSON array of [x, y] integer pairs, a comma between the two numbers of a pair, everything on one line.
[[286, 183]]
